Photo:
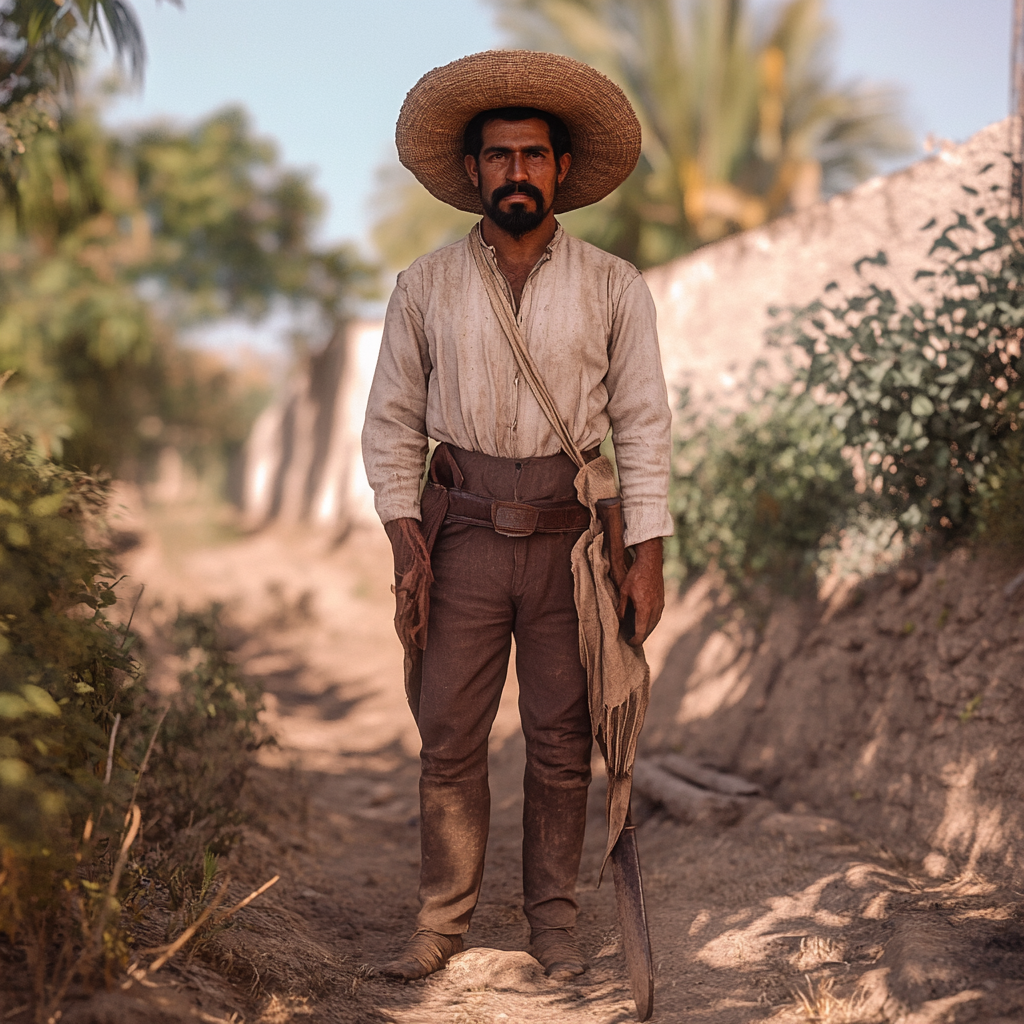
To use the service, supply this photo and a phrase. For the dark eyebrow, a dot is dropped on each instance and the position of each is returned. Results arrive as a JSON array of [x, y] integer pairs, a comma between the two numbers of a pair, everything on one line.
[[495, 150]]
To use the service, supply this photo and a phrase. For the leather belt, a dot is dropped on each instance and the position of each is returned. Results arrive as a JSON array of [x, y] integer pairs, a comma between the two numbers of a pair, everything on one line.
[[516, 518]]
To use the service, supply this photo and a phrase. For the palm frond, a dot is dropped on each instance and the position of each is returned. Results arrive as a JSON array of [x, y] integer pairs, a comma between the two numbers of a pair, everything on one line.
[[741, 118]]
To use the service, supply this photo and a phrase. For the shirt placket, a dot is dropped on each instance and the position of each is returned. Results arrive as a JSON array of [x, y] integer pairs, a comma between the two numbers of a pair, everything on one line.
[[520, 316], [513, 428]]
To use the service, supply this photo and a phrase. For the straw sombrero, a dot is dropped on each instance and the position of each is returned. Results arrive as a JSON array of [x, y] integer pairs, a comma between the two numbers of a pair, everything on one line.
[[605, 132]]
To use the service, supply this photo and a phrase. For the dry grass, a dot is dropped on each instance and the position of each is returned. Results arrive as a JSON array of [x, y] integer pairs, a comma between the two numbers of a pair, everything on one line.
[[820, 1003]]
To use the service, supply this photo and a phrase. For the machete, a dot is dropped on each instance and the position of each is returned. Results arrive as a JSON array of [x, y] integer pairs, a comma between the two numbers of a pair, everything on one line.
[[629, 888], [636, 940]]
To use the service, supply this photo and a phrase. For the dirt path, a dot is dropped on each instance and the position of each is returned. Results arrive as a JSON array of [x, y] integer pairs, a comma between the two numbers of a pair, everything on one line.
[[784, 916]]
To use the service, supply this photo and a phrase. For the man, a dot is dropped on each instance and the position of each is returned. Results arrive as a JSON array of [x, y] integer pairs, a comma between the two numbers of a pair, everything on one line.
[[516, 136]]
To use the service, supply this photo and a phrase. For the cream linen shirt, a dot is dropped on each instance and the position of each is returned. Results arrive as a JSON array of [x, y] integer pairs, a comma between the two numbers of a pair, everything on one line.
[[446, 370]]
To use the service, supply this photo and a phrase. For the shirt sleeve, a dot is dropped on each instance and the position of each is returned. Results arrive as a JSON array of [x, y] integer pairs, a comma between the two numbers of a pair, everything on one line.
[[639, 411], [394, 438]]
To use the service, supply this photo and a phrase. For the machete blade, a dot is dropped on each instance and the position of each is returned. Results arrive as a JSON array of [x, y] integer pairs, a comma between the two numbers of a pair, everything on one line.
[[636, 941]]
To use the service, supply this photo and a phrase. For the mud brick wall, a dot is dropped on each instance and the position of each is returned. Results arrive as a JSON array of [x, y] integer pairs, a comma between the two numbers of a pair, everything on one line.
[[713, 304]]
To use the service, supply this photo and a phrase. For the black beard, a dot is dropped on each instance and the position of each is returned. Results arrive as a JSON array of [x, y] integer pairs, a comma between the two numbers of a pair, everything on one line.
[[517, 221]]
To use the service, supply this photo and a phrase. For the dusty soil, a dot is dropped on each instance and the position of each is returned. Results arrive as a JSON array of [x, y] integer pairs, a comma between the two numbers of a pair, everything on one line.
[[809, 908]]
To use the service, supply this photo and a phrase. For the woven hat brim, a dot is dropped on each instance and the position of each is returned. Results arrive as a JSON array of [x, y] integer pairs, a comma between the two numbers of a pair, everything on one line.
[[604, 128]]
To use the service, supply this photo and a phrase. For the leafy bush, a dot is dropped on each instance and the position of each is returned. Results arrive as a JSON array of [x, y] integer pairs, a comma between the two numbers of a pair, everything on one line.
[[76, 729], [926, 396], [930, 392], [67, 681], [756, 495], [203, 750], [66, 673]]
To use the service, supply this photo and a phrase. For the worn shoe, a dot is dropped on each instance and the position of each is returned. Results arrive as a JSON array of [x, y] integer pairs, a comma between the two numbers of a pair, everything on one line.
[[423, 954], [558, 953]]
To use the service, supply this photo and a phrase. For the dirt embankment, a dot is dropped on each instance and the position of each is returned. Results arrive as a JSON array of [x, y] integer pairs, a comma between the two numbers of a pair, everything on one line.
[[898, 709]]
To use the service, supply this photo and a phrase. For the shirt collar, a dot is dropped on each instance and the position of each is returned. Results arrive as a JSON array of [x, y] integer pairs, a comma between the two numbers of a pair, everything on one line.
[[549, 248]]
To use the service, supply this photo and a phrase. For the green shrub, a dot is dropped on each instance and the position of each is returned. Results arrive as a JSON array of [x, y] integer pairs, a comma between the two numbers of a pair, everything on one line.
[[929, 392], [67, 681], [75, 729], [66, 673], [203, 750], [756, 494]]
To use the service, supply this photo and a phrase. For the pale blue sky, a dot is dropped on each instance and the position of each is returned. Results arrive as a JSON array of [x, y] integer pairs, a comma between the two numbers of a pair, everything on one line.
[[326, 79]]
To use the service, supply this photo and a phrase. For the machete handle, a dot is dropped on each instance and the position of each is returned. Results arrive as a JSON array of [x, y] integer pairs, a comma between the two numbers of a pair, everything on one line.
[[609, 511]]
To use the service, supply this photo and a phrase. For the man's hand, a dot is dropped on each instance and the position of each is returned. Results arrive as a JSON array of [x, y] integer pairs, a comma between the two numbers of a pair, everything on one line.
[[645, 587], [413, 578]]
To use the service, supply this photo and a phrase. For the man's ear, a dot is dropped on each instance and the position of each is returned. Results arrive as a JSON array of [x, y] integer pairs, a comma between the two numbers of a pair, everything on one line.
[[564, 162], [469, 162]]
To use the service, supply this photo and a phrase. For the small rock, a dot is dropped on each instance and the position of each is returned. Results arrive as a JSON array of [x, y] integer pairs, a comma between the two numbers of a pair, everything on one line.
[[953, 647], [382, 793], [496, 969], [937, 865], [908, 578]]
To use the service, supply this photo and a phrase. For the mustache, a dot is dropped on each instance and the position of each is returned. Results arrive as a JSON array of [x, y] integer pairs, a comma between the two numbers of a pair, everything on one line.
[[512, 187]]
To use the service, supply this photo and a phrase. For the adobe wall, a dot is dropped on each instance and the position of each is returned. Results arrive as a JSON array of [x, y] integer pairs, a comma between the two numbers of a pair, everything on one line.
[[713, 304]]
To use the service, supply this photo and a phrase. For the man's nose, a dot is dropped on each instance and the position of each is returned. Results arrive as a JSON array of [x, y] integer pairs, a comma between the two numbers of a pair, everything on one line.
[[517, 168]]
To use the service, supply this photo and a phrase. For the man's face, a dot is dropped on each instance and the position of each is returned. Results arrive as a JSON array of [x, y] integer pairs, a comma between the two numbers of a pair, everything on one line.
[[517, 174]]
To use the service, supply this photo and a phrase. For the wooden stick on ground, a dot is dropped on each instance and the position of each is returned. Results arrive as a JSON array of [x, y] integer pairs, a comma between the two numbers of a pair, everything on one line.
[[187, 934], [708, 778], [684, 801], [110, 749]]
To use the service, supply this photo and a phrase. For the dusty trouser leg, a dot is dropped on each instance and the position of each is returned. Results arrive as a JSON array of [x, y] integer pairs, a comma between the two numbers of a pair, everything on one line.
[[464, 670], [555, 713], [553, 704]]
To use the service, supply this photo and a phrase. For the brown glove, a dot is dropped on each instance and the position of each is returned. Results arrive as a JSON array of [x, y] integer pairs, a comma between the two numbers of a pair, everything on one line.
[[413, 578]]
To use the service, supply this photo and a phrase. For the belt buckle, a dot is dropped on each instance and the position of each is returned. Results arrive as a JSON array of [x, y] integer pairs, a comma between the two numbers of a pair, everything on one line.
[[512, 519]]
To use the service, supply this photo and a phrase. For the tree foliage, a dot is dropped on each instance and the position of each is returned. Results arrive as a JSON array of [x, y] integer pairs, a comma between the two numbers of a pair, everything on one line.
[[117, 243], [111, 245], [41, 47], [741, 121], [232, 228], [74, 333]]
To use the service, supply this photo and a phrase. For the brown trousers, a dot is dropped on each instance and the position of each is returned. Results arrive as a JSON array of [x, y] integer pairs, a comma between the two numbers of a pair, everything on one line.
[[487, 589]]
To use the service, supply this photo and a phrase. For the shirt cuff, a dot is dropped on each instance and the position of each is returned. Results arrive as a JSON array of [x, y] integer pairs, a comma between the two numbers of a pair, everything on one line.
[[390, 510], [644, 522]]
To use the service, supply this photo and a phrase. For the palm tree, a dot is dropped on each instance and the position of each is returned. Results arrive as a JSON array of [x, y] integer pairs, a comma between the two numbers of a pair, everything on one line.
[[38, 38], [41, 42], [740, 117]]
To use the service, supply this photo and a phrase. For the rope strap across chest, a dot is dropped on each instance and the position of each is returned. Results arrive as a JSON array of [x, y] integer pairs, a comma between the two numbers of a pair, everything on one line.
[[524, 360]]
